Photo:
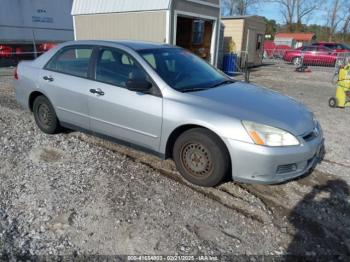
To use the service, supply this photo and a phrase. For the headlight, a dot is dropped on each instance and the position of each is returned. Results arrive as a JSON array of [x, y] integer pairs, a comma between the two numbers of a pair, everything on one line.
[[269, 136]]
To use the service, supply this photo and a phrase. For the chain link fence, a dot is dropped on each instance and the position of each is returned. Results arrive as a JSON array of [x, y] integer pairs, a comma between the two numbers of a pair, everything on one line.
[[235, 65], [308, 60], [314, 59]]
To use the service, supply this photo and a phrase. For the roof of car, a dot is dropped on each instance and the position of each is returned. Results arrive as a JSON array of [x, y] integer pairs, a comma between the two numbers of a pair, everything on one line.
[[135, 45], [326, 43]]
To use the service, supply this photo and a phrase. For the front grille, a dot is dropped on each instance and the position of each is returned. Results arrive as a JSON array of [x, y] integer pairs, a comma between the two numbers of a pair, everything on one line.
[[287, 168]]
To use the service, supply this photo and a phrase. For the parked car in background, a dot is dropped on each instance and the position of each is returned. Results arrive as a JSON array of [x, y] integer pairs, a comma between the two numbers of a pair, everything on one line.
[[311, 55], [337, 47], [168, 101]]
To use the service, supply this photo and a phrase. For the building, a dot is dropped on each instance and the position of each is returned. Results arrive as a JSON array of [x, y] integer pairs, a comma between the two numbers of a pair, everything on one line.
[[247, 35], [192, 24], [39, 21], [294, 40]]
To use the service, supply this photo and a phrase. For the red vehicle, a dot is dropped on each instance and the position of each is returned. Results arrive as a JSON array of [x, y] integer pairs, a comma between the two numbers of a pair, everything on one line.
[[5, 51], [337, 47], [311, 55]]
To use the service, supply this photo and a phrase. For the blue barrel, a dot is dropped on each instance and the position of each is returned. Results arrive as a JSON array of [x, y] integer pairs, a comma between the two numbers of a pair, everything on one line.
[[230, 64]]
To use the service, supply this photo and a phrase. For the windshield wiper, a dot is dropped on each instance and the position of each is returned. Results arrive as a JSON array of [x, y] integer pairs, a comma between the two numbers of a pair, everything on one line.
[[195, 89], [225, 82], [186, 90]]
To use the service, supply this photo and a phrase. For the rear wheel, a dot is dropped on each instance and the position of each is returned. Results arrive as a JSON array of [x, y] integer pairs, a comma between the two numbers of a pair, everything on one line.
[[45, 116], [201, 157]]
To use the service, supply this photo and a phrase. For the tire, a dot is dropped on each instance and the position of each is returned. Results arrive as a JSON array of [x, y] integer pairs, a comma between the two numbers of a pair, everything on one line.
[[201, 157], [333, 102], [297, 61], [45, 116]]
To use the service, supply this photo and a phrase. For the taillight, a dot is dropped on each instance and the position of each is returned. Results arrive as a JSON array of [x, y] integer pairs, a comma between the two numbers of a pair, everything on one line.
[[15, 74]]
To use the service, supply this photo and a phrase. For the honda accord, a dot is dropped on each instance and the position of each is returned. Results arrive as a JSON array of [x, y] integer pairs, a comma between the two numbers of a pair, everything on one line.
[[167, 101]]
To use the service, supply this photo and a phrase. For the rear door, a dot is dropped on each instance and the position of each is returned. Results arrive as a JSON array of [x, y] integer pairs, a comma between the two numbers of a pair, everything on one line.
[[117, 112], [65, 81]]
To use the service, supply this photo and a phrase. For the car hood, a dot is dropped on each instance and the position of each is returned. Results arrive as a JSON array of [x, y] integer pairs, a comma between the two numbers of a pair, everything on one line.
[[252, 103]]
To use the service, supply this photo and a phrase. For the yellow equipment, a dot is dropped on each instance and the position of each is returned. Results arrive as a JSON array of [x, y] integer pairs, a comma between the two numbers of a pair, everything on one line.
[[342, 95]]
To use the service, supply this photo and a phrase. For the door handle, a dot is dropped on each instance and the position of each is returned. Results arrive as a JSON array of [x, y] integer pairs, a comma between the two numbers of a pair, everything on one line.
[[48, 78], [97, 92]]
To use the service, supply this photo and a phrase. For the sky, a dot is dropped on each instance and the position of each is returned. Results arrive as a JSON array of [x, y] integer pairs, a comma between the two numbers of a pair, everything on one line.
[[272, 11]]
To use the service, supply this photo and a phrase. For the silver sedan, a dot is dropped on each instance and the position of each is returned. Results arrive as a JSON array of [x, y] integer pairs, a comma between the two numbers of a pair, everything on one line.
[[167, 101]]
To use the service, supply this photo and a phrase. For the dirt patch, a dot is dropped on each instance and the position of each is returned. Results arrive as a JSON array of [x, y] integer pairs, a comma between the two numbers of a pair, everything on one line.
[[46, 154]]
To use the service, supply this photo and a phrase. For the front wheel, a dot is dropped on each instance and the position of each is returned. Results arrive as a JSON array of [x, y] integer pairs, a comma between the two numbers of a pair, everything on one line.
[[201, 157], [45, 116]]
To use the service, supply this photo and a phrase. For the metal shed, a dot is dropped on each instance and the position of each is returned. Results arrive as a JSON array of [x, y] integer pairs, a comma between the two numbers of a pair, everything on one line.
[[247, 32], [192, 24]]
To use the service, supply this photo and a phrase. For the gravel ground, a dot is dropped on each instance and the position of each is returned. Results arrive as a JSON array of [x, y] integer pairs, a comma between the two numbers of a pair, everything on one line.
[[73, 195]]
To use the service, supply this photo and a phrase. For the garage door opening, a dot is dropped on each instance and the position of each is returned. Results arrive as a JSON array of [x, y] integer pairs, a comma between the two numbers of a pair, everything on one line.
[[195, 35]]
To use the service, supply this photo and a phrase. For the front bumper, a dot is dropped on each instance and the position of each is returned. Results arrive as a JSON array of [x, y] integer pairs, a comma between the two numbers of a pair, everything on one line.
[[272, 165]]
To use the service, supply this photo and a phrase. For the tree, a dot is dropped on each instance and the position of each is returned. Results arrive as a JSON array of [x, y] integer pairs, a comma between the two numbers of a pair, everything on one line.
[[346, 26], [238, 7], [288, 11], [295, 12], [271, 27], [304, 8], [333, 18]]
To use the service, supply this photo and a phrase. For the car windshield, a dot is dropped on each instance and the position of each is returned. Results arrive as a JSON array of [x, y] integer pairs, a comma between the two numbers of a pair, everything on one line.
[[346, 46], [182, 70]]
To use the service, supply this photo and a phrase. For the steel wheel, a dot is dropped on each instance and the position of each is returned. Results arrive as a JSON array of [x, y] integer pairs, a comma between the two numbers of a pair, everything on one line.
[[201, 157], [45, 116], [196, 158]]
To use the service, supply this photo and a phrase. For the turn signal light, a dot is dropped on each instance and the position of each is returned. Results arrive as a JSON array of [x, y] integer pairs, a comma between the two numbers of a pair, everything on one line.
[[255, 136]]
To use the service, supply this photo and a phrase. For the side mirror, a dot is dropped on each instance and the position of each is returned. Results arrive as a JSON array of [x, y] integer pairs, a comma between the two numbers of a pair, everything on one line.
[[136, 85]]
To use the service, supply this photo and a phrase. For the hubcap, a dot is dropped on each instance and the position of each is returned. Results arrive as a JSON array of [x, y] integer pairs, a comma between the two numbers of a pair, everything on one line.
[[196, 159], [44, 114]]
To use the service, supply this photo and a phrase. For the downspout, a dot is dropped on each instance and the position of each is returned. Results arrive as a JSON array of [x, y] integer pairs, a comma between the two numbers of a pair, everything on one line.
[[170, 15], [218, 35]]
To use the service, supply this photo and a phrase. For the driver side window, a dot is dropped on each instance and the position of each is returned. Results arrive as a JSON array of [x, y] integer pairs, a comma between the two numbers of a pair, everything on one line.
[[116, 68]]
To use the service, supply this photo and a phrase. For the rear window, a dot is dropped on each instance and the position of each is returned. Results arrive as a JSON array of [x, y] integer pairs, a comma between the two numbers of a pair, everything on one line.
[[72, 60]]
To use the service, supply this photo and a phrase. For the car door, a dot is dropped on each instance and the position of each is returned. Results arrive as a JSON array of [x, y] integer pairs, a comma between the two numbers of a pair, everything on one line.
[[309, 54], [325, 56], [119, 113], [65, 81]]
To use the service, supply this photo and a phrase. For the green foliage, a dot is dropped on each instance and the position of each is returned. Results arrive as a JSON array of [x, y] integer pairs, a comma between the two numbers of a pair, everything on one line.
[[271, 27]]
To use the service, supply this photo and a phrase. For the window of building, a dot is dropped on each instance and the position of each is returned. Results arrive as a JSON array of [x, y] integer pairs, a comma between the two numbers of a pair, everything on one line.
[[198, 32]]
